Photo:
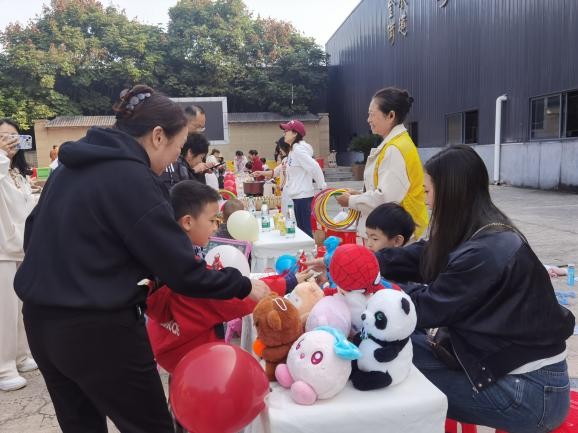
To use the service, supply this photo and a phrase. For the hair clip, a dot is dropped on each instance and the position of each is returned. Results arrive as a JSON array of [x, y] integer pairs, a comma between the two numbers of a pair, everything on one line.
[[136, 99]]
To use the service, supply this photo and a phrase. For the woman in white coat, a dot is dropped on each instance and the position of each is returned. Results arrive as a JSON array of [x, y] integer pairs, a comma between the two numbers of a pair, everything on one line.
[[393, 172], [16, 202], [301, 171]]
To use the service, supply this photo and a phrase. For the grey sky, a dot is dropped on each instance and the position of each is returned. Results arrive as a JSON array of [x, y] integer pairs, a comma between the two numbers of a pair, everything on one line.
[[316, 18]]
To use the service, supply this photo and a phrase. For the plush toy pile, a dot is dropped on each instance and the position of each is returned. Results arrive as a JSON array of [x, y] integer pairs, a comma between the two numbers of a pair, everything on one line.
[[303, 337]]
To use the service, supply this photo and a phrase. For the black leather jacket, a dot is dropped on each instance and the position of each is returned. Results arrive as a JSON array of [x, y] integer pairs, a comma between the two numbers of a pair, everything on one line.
[[494, 296], [179, 171]]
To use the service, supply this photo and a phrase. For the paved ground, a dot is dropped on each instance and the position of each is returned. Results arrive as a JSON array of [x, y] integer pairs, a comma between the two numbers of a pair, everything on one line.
[[549, 220]]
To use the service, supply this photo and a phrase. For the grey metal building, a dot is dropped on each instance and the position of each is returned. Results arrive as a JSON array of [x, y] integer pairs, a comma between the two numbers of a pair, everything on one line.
[[456, 58]]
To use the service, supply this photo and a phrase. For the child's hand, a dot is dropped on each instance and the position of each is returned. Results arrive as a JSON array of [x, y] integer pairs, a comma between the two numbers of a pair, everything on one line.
[[258, 290], [317, 265], [304, 275]]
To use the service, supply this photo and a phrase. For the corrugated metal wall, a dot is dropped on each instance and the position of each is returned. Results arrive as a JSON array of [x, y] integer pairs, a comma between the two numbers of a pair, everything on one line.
[[456, 58]]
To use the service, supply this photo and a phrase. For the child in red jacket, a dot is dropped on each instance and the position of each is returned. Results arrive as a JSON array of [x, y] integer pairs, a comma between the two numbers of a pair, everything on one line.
[[177, 324]]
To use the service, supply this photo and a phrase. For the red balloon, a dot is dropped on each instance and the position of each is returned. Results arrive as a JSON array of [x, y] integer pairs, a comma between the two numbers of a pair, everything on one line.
[[218, 388]]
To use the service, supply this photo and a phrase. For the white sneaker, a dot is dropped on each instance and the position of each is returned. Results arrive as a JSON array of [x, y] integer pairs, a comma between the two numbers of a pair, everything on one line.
[[12, 383], [27, 365]]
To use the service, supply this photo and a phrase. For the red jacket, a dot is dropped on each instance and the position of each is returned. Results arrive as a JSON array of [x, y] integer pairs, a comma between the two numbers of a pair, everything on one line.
[[177, 324]]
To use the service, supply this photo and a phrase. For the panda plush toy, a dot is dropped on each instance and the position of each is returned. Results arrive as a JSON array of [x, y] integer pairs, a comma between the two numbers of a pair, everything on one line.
[[384, 343]]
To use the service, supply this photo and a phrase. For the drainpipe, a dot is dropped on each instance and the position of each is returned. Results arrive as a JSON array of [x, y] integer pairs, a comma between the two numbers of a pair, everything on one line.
[[498, 137]]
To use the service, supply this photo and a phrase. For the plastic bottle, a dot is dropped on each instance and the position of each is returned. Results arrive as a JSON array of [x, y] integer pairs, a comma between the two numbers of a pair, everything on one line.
[[265, 221], [571, 274], [251, 206], [290, 222]]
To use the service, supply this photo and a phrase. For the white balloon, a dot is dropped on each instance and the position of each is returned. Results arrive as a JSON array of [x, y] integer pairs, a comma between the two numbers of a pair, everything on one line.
[[230, 257], [243, 226]]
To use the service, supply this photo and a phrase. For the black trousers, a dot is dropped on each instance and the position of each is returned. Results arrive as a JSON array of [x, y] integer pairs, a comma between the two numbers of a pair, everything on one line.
[[303, 214], [98, 364]]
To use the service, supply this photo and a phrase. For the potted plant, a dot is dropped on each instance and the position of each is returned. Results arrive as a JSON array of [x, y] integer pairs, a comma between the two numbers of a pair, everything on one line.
[[363, 144]]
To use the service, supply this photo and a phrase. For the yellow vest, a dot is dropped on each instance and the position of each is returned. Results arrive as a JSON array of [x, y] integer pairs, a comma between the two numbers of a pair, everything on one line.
[[414, 200]]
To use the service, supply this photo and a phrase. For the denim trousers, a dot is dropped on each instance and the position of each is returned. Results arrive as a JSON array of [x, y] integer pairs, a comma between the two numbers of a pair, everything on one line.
[[535, 402], [303, 214]]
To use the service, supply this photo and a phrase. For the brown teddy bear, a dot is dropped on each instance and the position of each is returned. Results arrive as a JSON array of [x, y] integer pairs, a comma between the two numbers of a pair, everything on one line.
[[278, 325], [304, 296]]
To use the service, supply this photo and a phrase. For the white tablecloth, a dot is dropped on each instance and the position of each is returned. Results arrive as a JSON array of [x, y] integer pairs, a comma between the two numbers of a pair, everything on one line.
[[271, 245], [413, 406]]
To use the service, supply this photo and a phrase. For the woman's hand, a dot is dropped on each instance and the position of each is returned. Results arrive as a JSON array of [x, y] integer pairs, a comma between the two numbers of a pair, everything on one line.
[[353, 191], [343, 199], [268, 173], [9, 143], [258, 290], [202, 167]]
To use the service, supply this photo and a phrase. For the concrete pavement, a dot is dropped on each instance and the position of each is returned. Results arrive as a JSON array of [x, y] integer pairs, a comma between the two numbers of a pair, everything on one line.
[[548, 219]]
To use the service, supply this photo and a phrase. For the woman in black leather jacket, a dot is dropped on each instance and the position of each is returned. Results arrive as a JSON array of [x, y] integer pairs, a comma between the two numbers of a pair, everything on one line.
[[480, 280]]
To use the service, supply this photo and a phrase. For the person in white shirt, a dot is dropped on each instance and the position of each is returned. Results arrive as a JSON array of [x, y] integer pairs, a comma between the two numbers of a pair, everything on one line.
[[16, 203], [240, 162], [393, 172], [211, 178], [301, 171]]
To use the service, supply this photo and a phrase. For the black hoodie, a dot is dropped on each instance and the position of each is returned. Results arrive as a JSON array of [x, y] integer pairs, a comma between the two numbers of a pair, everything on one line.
[[103, 223]]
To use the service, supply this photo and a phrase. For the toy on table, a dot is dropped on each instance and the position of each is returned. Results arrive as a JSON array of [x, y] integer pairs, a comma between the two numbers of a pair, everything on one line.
[[330, 311], [217, 265], [304, 297], [278, 325], [330, 244], [386, 349], [355, 270], [302, 261], [318, 365]]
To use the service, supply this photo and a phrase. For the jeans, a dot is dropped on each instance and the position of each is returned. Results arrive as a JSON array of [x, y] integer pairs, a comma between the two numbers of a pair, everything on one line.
[[303, 214], [535, 402]]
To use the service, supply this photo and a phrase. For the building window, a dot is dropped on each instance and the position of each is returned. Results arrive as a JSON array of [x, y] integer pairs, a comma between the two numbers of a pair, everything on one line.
[[554, 116], [454, 129], [462, 128], [546, 117], [572, 114]]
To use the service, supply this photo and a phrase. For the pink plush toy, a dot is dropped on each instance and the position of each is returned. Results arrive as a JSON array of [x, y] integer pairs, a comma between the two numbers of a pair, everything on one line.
[[318, 365], [330, 311]]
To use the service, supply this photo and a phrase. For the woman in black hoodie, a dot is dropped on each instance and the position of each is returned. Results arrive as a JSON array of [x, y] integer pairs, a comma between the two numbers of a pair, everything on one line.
[[103, 224]]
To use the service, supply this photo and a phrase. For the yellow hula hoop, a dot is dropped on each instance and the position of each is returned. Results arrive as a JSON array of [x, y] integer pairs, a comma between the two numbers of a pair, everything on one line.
[[226, 194], [320, 211]]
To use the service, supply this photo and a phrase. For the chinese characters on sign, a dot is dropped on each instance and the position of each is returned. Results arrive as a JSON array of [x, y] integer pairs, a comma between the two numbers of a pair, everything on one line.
[[399, 6]]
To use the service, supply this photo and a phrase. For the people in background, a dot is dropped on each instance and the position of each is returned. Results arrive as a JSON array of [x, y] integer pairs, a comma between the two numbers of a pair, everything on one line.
[[264, 163], [256, 164], [53, 153], [393, 172], [189, 165], [211, 178], [230, 206], [302, 170], [240, 162], [16, 203], [196, 119], [111, 226], [279, 172]]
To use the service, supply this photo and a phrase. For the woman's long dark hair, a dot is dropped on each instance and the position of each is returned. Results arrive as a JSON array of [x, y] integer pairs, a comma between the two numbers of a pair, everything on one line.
[[18, 160], [462, 205]]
